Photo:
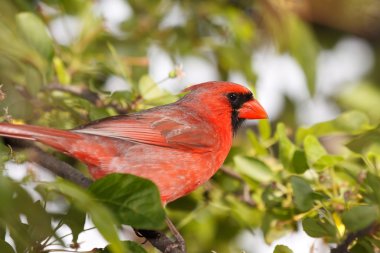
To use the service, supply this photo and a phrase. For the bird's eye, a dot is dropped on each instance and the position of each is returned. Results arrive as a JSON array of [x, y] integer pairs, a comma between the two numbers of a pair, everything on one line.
[[232, 97]]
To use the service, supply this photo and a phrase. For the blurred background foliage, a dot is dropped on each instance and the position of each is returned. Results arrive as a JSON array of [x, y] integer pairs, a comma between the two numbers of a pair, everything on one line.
[[59, 60]]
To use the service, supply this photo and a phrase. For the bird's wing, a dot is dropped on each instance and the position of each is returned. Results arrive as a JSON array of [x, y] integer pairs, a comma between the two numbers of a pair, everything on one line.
[[169, 129]]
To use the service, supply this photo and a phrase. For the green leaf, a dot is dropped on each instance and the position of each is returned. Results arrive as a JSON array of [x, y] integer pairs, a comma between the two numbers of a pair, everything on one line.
[[313, 149], [6, 247], [134, 247], [299, 162], [328, 161], [62, 74], [135, 201], [271, 233], [317, 228], [282, 249], [102, 218], [287, 148], [364, 96], [19, 234], [121, 96], [153, 94], [75, 220], [256, 144], [130, 245], [2, 233], [360, 217], [373, 183], [4, 152], [15, 200], [243, 213], [366, 141], [374, 241], [73, 7], [96, 113], [253, 168], [352, 122], [265, 129], [362, 246], [36, 33], [272, 197], [302, 192], [39, 221]]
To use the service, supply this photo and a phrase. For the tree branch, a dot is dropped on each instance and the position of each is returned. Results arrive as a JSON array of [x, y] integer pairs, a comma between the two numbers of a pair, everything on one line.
[[58, 167], [158, 239]]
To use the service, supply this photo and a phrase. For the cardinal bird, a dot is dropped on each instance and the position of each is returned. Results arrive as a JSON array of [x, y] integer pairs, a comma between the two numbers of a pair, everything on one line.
[[178, 146]]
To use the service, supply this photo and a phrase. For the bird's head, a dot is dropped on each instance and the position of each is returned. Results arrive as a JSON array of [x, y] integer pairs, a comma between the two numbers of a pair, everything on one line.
[[227, 97]]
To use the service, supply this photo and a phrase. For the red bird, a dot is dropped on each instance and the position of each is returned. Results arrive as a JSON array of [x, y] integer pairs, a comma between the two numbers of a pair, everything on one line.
[[178, 146]]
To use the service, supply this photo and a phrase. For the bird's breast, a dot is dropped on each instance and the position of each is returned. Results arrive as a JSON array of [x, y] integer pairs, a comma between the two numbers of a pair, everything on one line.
[[175, 172]]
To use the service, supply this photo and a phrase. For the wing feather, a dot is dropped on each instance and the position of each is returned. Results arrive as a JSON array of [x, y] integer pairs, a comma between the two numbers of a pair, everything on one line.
[[165, 128]]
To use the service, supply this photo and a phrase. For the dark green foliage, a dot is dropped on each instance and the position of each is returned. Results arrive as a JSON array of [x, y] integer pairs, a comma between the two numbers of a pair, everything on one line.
[[365, 214], [303, 194], [316, 227]]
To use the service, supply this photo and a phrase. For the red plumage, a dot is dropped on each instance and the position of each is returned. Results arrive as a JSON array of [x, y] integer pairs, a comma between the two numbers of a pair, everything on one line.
[[178, 146]]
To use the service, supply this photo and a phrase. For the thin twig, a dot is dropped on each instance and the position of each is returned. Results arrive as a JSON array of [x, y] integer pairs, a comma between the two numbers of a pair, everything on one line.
[[231, 173], [246, 195], [66, 235], [178, 237]]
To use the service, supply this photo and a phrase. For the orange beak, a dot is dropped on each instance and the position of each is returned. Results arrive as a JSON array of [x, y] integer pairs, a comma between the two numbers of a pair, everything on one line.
[[252, 110]]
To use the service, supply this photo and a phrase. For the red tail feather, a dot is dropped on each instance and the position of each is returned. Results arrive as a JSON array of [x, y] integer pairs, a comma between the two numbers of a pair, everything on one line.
[[53, 137]]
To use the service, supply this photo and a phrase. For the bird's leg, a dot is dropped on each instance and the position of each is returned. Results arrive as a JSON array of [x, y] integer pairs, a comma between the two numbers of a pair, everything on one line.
[[178, 237]]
